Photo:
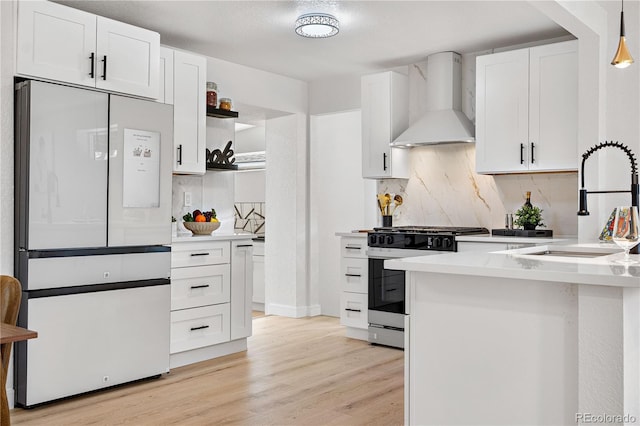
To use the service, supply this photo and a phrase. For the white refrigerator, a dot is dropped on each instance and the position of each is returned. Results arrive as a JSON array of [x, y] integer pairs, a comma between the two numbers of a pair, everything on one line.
[[92, 239]]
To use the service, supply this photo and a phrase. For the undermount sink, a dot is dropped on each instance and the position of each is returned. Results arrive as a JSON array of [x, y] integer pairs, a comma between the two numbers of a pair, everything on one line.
[[567, 253]]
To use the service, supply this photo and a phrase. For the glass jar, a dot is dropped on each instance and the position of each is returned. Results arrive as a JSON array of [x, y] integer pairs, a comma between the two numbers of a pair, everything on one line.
[[225, 103], [212, 94]]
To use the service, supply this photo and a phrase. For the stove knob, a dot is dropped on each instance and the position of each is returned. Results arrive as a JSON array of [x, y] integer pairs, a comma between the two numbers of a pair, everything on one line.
[[437, 242], [389, 239], [372, 239], [380, 239], [447, 243]]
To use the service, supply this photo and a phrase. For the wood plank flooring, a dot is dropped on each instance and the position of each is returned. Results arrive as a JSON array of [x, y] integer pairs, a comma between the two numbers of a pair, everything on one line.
[[295, 372]]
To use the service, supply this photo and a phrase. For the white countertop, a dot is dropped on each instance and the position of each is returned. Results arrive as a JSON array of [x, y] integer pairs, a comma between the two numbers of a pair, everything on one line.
[[188, 237], [504, 239], [352, 234], [519, 264]]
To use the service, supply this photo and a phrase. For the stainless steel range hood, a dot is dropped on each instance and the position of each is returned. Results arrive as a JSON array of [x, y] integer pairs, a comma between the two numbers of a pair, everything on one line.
[[444, 121]]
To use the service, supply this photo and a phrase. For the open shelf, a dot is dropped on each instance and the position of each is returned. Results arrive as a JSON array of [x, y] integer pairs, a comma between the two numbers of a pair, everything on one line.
[[222, 167], [221, 113]]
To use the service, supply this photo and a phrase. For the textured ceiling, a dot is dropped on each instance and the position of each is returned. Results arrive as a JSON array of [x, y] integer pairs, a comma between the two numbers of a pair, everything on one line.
[[374, 35]]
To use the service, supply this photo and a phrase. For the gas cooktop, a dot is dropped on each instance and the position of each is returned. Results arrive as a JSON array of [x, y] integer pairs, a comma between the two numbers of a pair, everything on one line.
[[438, 238], [443, 230]]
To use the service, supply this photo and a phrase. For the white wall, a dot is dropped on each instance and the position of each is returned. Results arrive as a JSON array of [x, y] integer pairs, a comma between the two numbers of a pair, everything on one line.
[[338, 198], [250, 186]]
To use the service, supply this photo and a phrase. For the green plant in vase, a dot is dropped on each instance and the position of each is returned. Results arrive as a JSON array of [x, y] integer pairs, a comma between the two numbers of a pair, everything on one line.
[[528, 217]]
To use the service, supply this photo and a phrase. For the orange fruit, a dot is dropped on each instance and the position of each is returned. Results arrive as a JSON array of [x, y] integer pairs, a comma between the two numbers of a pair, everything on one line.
[[200, 218]]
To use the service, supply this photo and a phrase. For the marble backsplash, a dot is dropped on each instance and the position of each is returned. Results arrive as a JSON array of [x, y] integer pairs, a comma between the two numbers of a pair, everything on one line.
[[444, 190]]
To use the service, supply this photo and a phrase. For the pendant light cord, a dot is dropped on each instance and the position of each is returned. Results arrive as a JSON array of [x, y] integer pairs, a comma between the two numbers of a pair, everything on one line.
[[622, 20]]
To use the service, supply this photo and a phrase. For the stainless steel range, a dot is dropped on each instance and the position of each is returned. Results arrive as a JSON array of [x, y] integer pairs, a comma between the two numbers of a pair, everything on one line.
[[387, 287]]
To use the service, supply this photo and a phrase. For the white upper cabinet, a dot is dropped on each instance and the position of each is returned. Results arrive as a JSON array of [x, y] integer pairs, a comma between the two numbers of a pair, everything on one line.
[[385, 114], [128, 58], [189, 113], [527, 110], [165, 76], [60, 43]]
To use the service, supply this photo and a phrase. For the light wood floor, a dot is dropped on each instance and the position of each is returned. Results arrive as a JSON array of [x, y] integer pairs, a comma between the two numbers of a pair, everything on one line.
[[295, 372]]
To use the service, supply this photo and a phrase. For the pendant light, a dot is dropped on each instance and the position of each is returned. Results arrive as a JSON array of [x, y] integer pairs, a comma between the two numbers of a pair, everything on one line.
[[623, 58]]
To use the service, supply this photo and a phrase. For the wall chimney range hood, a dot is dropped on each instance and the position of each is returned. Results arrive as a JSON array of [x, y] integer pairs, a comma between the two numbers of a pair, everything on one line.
[[444, 121]]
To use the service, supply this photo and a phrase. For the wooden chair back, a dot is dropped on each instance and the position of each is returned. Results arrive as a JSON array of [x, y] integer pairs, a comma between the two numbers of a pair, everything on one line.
[[10, 296]]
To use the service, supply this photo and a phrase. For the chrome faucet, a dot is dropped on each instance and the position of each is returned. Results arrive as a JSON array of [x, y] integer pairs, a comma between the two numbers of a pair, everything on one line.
[[634, 178]]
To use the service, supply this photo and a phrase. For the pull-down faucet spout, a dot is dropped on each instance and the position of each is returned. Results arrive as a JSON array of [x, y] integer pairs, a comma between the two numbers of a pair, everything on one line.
[[634, 176]]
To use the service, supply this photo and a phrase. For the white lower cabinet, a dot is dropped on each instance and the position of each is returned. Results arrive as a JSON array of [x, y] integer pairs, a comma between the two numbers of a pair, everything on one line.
[[198, 327], [354, 283], [211, 286]]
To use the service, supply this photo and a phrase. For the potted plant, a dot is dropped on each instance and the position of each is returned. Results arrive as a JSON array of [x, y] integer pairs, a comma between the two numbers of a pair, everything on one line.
[[528, 217]]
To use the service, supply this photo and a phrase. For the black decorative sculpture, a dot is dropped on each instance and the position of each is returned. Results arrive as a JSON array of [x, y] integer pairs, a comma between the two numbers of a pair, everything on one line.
[[221, 159]]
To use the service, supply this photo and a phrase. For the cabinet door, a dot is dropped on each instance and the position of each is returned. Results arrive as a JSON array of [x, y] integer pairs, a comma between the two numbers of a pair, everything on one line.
[[200, 286], [199, 327], [165, 77], [258, 281], [241, 288], [384, 117], [55, 42], [128, 58], [354, 275], [553, 107], [502, 112], [354, 310], [189, 113]]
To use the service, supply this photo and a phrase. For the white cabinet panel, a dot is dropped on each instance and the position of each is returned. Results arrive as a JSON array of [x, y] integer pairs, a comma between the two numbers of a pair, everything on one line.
[[353, 247], [241, 288], [200, 286], [354, 310], [354, 275], [258, 274], [129, 58], [60, 43], [200, 253], [527, 110], [189, 102], [385, 115], [199, 327], [55, 42], [165, 76], [67, 205]]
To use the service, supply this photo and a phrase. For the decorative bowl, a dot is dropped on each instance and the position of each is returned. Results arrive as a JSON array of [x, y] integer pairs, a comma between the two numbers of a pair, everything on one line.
[[201, 228]]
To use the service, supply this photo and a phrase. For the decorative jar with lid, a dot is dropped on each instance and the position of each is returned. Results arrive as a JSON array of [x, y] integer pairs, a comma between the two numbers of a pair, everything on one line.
[[225, 103], [212, 94]]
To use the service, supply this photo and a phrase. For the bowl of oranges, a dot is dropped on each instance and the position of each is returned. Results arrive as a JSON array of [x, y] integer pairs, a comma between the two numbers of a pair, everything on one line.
[[201, 223]]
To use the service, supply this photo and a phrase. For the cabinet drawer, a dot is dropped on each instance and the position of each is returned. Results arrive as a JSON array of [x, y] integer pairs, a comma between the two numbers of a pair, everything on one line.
[[353, 247], [199, 327], [200, 286], [354, 274], [353, 310], [200, 253]]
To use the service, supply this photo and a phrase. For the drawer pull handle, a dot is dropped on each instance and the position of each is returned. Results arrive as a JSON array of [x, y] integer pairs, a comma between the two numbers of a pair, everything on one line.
[[200, 254], [352, 275], [199, 328], [92, 58], [199, 286], [244, 245], [352, 310], [391, 289], [352, 248]]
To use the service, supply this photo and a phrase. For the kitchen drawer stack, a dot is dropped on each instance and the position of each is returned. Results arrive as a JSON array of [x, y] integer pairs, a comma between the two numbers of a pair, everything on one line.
[[354, 278], [211, 290]]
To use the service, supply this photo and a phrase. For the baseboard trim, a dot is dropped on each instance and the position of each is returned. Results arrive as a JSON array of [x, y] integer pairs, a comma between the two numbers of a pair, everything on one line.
[[293, 311], [202, 354]]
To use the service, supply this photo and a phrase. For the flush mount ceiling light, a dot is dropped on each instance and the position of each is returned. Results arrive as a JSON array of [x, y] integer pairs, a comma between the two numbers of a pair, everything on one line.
[[317, 25], [623, 58]]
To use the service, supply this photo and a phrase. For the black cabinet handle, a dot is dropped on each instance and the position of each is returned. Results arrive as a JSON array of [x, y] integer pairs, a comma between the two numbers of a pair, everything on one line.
[[384, 161], [391, 289], [92, 58], [352, 310], [200, 286], [104, 70], [200, 254], [180, 154], [351, 248], [352, 275], [244, 245], [521, 153], [533, 147], [199, 328]]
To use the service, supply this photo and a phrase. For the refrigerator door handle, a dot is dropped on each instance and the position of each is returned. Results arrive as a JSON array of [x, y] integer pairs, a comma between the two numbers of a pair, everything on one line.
[[104, 69]]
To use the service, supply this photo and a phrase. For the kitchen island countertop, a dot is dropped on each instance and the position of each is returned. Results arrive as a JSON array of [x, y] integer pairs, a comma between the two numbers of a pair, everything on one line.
[[519, 264], [189, 238]]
